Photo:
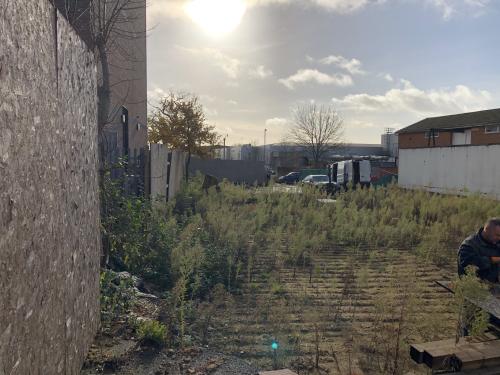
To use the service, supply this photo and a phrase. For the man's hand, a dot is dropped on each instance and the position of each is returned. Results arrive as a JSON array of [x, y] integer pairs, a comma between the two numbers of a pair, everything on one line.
[[495, 260]]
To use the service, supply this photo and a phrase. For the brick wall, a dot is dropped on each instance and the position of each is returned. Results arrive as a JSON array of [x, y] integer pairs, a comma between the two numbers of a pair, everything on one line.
[[479, 137], [418, 140], [49, 209]]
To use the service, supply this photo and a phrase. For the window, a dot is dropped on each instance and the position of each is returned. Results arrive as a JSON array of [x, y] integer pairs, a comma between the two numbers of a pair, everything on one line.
[[492, 129], [431, 134]]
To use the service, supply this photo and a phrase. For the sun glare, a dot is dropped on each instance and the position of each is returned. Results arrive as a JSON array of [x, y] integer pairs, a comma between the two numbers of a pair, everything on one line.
[[216, 17]]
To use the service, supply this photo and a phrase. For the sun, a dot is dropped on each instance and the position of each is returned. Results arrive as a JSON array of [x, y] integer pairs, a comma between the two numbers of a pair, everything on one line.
[[216, 17]]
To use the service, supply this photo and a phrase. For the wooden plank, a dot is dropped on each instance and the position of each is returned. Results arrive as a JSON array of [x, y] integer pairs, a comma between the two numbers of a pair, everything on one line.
[[486, 371], [417, 352], [479, 355], [434, 353]]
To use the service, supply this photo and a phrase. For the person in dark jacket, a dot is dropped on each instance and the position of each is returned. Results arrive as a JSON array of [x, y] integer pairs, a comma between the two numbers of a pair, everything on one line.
[[483, 251]]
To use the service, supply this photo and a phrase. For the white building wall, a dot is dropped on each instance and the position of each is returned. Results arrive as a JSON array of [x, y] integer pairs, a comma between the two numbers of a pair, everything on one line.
[[458, 169]]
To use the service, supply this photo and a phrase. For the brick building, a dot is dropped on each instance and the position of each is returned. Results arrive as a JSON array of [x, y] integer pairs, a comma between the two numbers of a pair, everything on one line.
[[452, 154], [473, 128]]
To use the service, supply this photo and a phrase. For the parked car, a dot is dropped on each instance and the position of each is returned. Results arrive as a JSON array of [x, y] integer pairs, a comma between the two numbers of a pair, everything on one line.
[[321, 181], [316, 179], [290, 179]]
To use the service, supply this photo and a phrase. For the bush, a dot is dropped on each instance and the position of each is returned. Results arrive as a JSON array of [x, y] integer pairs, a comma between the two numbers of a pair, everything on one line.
[[116, 296], [152, 332]]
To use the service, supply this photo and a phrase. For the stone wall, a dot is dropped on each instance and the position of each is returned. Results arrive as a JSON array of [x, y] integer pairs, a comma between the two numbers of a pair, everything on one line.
[[49, 209]]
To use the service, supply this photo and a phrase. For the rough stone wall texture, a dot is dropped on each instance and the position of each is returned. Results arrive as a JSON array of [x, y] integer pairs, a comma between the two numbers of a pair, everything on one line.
[[49, 210]]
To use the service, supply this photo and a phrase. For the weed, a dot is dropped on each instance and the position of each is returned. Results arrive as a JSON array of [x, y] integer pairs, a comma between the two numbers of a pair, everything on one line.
[[152, 332]]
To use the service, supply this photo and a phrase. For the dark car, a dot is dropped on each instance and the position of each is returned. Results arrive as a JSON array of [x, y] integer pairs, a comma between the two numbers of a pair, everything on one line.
[[322, 182], [290, 179]]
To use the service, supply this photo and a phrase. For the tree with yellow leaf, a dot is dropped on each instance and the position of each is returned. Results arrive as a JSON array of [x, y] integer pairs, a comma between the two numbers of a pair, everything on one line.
[[179, 123]]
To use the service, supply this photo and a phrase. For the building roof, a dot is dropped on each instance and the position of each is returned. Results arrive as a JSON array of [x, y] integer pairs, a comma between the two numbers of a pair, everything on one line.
[[458, 121]]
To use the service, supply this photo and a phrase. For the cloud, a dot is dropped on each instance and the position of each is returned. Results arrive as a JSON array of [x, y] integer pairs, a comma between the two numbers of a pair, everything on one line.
[[353, 66], [229, 65], [388, 77], [155, 95], [158, 9], [276, 122], [424, 103], [313, 75], [449, 8], [338, 6], [260, 72]]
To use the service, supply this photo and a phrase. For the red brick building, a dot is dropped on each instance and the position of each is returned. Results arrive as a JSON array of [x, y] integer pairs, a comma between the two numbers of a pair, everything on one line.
[[473, 128], [456, 154]]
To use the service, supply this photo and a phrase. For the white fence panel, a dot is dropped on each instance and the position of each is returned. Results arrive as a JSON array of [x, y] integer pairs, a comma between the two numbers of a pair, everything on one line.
[[460, 169]]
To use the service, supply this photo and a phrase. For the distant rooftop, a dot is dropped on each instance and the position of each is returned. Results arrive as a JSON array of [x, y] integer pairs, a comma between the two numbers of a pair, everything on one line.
[[457, 121]]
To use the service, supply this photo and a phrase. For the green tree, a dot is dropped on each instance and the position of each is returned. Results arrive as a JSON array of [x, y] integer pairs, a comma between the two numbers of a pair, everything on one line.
[[179, 122]]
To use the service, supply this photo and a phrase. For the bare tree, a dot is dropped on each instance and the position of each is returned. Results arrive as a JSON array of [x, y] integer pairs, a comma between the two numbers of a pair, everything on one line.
[[318, 128]]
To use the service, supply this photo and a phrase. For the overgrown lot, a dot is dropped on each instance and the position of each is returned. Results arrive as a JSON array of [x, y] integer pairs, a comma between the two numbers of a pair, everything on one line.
[[341, 286]]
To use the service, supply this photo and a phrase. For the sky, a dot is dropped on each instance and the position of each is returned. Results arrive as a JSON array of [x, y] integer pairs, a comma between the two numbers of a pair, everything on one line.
[[379, 63]]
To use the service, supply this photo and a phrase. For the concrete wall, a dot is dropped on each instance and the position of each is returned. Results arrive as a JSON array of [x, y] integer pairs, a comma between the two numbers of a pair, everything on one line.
[[237, 171], [452, 169], [159, 170], [49, 209], [177, 172]]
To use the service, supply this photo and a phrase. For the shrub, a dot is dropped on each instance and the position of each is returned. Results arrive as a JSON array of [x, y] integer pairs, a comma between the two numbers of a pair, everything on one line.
[[152, 332], [116, 296]]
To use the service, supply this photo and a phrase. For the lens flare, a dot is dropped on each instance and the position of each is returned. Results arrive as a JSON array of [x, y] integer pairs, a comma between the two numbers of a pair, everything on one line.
[[216, 17]]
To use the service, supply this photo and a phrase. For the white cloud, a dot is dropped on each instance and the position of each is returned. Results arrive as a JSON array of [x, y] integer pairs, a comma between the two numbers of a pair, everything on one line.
[[260, 72], [210, 112], [338, 6], [158, 9], [353, 66], [341, 6], [229, 65], [313, 75], [449, 8], [276, 122], [388, 77], [155, 95], [424, 103]]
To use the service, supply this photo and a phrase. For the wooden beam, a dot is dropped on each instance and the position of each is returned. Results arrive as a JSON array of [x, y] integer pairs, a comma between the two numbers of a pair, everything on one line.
[[435, 353], [478, 355]]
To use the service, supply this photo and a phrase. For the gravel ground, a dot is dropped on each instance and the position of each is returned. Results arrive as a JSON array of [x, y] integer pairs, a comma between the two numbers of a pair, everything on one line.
[[169, 362]]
